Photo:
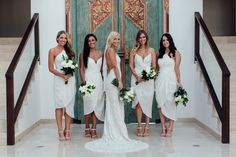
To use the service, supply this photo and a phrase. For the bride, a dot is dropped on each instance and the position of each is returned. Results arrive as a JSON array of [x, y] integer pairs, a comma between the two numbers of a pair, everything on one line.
[[115, 135]]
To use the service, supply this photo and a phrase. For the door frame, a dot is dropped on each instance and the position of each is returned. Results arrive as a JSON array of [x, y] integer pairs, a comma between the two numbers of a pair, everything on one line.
[[68, 15]]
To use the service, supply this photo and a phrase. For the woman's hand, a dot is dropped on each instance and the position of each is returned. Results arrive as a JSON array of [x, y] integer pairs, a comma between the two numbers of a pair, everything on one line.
[[120, 86], [138, 79], [179, 84], [66, 77]]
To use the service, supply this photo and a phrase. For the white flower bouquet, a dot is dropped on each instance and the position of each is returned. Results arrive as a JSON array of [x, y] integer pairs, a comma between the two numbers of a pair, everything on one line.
[[181, 96], [126, 95], [86, 88], [68, 66], [148, 74]]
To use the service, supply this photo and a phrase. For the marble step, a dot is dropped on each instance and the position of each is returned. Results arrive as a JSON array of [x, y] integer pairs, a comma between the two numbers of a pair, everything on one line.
[[3, 111], [3, 126], [8, 49], [10, 41], [224, 39], [4, 66], [3, 139]]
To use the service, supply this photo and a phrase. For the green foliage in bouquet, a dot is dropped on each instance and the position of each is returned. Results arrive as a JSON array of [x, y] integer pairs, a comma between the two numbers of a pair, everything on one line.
[[126, 95], [181, 96]]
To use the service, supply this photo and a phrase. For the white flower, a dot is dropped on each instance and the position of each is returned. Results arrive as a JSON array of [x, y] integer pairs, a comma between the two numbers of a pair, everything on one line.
[[148, 69], [72, 67]]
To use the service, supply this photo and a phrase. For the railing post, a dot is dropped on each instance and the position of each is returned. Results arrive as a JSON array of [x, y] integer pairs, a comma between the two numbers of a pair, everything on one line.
[[226, 109], [196, 45], [36, 39], [10, 110]]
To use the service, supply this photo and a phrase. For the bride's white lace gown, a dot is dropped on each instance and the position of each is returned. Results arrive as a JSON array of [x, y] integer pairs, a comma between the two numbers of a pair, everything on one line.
[[115, 135], [165, 86]]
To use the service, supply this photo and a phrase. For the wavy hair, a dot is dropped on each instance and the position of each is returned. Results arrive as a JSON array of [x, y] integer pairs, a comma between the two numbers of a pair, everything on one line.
[[86, 49], [171, 47], [67, 47], [138, 36]]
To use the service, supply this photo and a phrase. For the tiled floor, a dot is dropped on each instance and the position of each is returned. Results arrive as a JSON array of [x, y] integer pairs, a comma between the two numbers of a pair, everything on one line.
[[189, 140]]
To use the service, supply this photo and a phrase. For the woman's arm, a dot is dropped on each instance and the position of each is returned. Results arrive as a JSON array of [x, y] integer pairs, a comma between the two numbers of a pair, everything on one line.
[[51, 59], [101, 69], [113, 64], [154, 63], [81, 68], [177, 65], [131, 65], [157, 66]]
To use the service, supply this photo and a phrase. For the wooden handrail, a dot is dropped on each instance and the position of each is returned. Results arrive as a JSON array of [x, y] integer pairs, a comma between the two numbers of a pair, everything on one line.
[[223, 110], [12, 112]]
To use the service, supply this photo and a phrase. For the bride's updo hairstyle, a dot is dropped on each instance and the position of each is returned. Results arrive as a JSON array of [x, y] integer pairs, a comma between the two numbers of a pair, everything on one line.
[[111, 37]]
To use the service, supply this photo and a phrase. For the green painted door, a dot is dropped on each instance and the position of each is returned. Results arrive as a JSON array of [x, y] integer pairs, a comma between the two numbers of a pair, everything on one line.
[[124, 16]]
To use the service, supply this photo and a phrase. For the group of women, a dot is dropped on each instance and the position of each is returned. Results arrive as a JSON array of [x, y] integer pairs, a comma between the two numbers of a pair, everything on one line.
[[100, 69]]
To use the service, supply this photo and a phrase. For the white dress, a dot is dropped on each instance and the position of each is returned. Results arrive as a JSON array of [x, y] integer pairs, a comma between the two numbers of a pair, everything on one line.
[[144, 90], [94, 102], [64, 94], [115, 135], [165, 86]]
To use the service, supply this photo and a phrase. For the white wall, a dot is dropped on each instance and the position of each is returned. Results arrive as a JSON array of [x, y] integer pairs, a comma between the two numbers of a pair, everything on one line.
[[182, 30], [31, 106], [30, 112], [52, 19]]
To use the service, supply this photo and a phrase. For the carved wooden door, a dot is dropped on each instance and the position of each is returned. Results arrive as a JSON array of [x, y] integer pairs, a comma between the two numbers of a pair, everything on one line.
[[124, 16]]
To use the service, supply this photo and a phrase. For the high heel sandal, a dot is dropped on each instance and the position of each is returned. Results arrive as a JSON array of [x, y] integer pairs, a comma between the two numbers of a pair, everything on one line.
[[93, 133], [87, 132], [139, 131], [169, 133], [61, 135], [146, 131], [67, 134], [163, 133]]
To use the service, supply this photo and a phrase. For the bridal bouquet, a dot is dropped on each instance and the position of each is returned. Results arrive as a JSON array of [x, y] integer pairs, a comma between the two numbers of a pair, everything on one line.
[[86, 88], [126, 95], [181, 96], [148, 74], [68, 66]]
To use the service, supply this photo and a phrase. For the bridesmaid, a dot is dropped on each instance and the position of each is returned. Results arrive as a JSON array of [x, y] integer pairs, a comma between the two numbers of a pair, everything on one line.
[[90, 70], [64, 94], [141, 57], [166, 83]]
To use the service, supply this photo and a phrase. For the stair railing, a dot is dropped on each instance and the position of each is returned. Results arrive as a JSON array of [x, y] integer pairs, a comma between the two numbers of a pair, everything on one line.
[[223, 108], [12, 108]]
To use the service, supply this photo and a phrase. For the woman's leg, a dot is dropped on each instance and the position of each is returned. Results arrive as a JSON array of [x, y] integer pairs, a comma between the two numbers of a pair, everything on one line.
[[68, 121], [59, 114], [146, 128], [87, 126], [139, 113], [163, 123], [93, 130], [170, 129]]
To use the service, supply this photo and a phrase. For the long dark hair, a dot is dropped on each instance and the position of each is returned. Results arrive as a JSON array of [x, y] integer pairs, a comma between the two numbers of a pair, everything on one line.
[[67, 47], [171, 47], [86, 49], [138, 35]]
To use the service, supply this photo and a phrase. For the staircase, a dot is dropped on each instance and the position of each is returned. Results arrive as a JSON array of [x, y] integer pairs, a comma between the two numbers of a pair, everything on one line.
[[227, 47], [8, 48]]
